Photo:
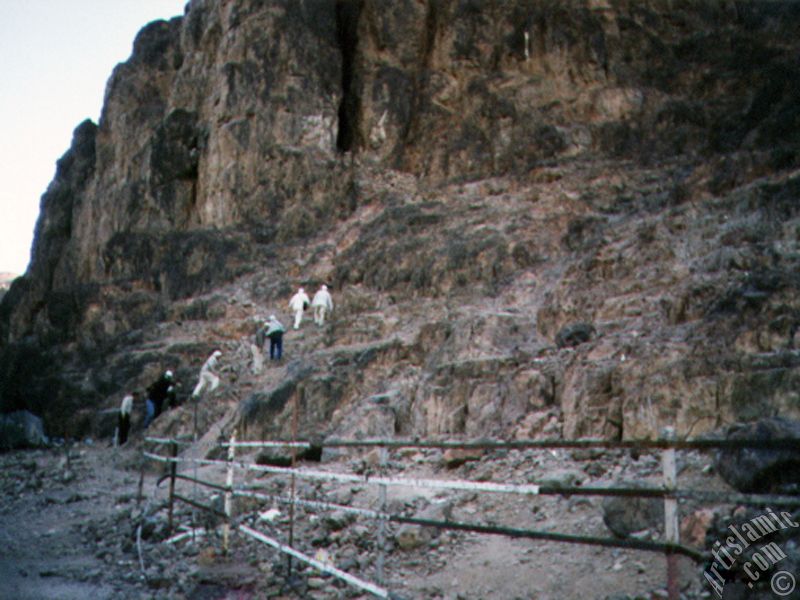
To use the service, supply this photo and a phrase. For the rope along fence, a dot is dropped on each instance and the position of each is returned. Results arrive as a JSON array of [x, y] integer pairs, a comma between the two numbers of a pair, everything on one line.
[[669, 492]]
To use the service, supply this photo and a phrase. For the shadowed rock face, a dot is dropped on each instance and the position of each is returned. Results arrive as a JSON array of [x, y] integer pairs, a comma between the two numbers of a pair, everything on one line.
[[762, 470], [471, 179]]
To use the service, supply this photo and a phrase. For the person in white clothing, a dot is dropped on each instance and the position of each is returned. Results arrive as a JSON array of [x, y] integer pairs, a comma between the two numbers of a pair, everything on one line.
[[322, 303], [125, 410], [298, 304], [207, 375]]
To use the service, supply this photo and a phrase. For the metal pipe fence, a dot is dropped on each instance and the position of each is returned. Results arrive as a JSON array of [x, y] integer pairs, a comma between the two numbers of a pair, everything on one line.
[[656, 444], [669, 492], [486, 529], [527, 489]]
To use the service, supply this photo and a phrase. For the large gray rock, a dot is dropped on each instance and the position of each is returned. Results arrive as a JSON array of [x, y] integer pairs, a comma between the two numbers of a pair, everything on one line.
[[762, 470], [21, 429], [624, 516], [562, 478], [105, 423], [574, 334], [410, 536]]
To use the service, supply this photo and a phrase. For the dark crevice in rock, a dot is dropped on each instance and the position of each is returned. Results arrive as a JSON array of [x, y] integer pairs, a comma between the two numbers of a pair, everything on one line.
[[420, 98], [174, 160], [347, 16]]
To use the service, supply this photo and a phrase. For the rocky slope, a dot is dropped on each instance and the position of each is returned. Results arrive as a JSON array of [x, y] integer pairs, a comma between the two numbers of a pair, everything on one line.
[[536, 217], [5, 282]]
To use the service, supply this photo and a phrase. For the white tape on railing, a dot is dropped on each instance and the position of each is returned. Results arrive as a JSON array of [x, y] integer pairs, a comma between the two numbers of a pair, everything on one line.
[[324, 567], [266, 445], [447, 484]]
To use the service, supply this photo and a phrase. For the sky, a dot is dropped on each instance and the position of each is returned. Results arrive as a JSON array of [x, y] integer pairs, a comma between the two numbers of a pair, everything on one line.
[[55, 59]]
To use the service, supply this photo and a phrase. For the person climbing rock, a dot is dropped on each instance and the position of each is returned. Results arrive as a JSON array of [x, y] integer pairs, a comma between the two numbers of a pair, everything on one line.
[[161, 390], [124, 425], [298, 304], [274, 331], [207, 375], [321, 304]]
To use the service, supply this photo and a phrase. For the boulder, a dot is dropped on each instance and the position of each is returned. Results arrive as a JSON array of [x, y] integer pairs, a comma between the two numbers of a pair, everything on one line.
[[755, 470], [562, 478], [574, 334], [410, 536], [625, 516], [21, 429], [455, 457], [338, 520], [751, 522], [105, 423]]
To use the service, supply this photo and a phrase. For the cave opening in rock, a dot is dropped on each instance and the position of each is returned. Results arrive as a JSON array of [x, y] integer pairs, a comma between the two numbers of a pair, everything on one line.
[[347, 15]]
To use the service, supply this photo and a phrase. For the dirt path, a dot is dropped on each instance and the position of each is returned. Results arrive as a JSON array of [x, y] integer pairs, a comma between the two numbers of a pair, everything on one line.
[[52, 519]]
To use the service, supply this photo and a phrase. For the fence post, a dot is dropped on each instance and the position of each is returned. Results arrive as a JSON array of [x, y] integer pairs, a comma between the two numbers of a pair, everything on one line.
[[671, 528], [382, 522], [173, 470], [140, 487], [195, 494], [295, 417], [226, 529]]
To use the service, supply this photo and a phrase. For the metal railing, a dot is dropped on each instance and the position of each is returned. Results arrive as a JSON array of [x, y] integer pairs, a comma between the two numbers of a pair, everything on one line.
[[670, 547]]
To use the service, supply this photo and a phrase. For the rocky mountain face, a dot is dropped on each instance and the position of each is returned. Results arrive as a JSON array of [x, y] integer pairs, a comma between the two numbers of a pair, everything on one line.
[[537, 218], [5, 282]]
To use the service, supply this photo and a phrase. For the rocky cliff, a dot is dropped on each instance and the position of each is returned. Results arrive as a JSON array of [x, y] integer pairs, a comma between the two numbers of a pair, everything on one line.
[[5, 282], [536, 217]]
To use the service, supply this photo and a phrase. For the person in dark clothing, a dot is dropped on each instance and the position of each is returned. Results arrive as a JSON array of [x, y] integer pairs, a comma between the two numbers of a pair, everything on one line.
[[275, 331], [162, 390]]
